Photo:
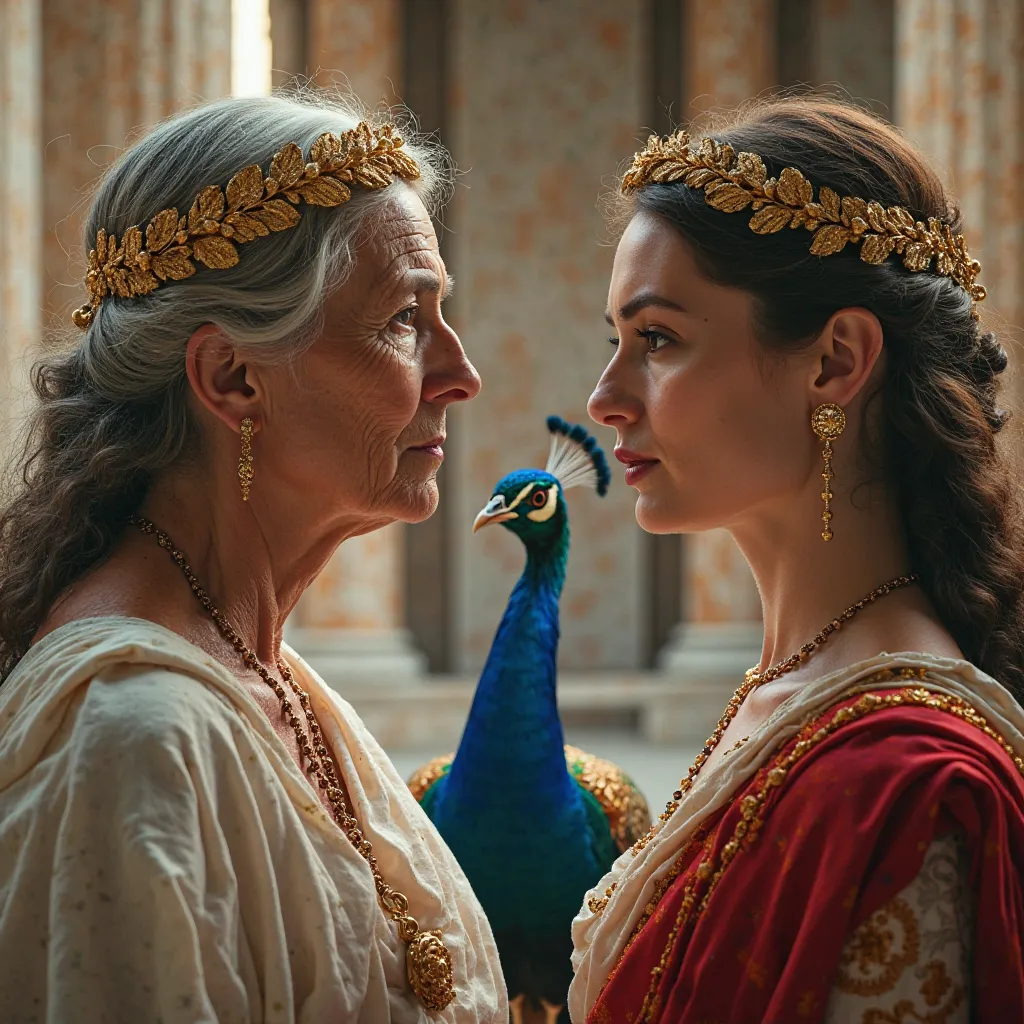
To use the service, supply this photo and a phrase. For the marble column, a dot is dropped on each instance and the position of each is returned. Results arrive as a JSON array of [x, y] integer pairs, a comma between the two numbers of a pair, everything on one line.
[[730, 57], [111, 69], [351, 622], [548, 99], [21, 201], [960, 96]]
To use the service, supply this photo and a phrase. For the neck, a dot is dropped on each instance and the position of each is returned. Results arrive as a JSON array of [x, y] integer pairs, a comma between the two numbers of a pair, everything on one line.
[[514, 717], [253, 558], [805, 582]]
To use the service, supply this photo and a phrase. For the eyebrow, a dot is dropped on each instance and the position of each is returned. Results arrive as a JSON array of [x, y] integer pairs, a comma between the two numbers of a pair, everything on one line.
[[427, 281], [644, 301]]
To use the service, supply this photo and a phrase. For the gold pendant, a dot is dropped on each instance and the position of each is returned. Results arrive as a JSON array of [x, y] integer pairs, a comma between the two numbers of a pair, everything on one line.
[[429, 967]]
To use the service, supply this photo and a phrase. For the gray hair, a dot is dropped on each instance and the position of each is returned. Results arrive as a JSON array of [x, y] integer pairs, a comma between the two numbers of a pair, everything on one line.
[[113, 405]]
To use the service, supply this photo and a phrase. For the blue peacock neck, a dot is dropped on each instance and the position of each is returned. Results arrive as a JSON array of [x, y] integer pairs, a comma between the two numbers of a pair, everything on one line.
[[514, 716]]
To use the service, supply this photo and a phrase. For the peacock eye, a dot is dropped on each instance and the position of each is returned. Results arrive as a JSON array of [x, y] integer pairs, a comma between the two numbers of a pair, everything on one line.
[[539, 499]]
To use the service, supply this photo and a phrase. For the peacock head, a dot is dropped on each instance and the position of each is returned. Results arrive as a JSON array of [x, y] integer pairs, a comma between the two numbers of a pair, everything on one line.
[[530, 502]]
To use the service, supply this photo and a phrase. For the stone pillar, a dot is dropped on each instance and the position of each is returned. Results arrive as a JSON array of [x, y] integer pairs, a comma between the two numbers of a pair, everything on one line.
[[960, 96], [21, 200], [356, 44], [112, 68], [351, 621], [730, 57], [542, 123], [730, 52]]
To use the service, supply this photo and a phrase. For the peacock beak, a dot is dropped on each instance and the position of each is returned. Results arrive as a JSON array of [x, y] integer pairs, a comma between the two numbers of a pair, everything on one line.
[[493, 512]]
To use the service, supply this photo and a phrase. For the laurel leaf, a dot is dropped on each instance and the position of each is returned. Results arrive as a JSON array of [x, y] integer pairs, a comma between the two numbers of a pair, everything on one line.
[[750, 167], [245, 188], [132, 246], [944, 263], [793, 188], [211, 203], [830, 202], [831, 238], [216, 252], [372, 177], [326, 149], [403, 165], [667, 171], [700, 176], [876, 248], [161, 230], [287, 166], [771, 219], [246, 227], [917, 256], [727, 197], [277, 215], [876, 217], [853, 207], [174, 264], [142, 282], [325, 191]]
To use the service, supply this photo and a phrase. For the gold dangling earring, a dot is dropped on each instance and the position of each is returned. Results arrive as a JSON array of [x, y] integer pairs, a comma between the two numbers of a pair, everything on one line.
[[245, 458], [828, 421]]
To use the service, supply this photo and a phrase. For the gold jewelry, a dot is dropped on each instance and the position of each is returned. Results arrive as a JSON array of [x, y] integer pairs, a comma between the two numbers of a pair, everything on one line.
[[245, 473], [735, 181], [427, 960], [751, 680], [828, 422], [250, 206]]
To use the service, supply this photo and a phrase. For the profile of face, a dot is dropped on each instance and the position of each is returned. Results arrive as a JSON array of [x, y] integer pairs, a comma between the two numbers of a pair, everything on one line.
[[357, 423], [712, 428]]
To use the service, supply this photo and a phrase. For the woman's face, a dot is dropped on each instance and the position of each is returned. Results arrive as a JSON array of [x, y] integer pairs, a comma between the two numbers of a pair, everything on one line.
[[709, 428], [359, 421]]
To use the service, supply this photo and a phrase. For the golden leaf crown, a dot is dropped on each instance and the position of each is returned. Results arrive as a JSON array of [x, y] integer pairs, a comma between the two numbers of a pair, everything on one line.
[[736, 181], [250, 206]]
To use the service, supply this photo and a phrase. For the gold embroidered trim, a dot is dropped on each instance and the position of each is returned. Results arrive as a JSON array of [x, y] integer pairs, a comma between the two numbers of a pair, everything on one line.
[[423, 778], [735, 181], [250, 207], [754, 810], [624, 805]]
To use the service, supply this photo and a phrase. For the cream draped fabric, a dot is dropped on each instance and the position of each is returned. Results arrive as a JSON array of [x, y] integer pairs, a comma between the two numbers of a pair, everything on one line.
[[599, 938], [163, 858]]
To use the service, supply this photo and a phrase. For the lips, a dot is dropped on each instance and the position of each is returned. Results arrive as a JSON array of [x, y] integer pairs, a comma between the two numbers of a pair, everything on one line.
[[432, 447], [637, 465]]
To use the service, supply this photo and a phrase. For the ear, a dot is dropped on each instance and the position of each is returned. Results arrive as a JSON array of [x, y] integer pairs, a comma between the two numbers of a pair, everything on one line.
[[849, 347], [226, 385]]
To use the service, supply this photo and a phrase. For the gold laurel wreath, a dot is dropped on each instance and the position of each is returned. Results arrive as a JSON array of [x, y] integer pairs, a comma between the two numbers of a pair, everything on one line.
[[735, 181], [250, 206]]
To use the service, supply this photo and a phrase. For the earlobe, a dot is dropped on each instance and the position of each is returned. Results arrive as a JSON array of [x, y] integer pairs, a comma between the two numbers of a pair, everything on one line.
[[851, 345], [220, 380]]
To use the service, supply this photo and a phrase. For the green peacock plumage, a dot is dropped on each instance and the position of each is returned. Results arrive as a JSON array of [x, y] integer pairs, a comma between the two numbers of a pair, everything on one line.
[[534, 823]]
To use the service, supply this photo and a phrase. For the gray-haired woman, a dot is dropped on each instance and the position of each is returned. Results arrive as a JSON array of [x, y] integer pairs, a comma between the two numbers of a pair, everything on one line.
[[192, 826]]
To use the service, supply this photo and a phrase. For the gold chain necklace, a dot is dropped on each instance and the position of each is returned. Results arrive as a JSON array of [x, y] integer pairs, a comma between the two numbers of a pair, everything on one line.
[[751, 680], [428, 962]]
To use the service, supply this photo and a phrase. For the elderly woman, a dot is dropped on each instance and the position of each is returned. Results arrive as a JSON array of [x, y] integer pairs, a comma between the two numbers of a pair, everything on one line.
[[193, 827]]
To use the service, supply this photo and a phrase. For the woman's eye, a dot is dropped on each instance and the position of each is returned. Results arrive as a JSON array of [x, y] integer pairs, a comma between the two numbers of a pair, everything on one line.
[[406, 317], [655, 339]]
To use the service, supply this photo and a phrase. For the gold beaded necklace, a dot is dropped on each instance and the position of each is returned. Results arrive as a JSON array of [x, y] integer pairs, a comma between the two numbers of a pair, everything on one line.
[[751, 680], [428, 962]]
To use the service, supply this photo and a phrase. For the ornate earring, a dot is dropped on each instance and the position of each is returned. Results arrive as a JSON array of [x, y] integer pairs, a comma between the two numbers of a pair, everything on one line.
[[245, 458], [828, 421]]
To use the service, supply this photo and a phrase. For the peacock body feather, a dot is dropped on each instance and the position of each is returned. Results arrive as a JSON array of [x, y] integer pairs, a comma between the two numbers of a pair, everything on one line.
[[533, 823]]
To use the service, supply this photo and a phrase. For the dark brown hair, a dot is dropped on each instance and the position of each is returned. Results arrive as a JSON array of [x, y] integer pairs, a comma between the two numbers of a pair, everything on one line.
[[939, 413]]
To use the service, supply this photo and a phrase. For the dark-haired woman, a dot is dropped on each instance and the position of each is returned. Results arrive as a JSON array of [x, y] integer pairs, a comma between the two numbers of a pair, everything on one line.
[[798, 359]]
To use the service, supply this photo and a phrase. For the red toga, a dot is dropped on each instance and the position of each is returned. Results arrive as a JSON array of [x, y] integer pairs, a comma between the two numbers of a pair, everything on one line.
[[752, 921]]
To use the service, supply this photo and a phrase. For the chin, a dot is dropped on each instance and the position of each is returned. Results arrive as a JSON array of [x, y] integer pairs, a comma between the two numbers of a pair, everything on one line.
[[421, 503], [660, 516]]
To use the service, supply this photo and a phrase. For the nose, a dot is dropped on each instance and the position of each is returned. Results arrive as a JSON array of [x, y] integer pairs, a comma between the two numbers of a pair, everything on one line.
[[450, 376], [611, 403]]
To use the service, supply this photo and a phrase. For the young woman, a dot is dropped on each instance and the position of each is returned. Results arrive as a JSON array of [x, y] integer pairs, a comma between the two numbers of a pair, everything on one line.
[[798, 359]]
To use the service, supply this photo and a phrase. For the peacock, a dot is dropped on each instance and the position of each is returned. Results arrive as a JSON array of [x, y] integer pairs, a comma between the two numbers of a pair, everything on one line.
[[533, 822]]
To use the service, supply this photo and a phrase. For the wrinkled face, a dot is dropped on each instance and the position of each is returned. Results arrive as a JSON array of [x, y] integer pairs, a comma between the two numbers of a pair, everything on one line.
[[358, 423], [710, 429], [527, 502]]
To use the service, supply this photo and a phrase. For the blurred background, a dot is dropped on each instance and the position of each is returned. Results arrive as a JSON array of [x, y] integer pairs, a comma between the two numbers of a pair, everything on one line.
[[540, 102]]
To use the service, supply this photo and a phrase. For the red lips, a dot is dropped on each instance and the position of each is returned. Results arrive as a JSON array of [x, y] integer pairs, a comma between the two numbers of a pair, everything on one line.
[[637, 465]]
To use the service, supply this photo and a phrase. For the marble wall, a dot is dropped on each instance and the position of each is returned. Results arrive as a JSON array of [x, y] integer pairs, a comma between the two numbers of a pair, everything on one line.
[[548, 98]]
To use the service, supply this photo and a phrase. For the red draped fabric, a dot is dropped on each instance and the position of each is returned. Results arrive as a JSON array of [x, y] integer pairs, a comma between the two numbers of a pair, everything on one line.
[[827, 833]]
